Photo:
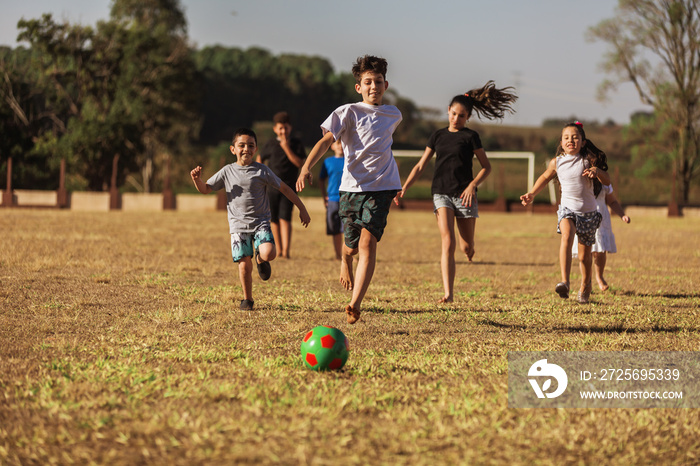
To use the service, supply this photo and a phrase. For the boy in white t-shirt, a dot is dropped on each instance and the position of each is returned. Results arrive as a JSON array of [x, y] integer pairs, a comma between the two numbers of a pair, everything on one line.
[[370, 178]]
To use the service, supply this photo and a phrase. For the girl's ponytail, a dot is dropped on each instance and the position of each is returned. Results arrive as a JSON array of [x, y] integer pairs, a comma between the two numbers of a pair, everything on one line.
[[488, 101]]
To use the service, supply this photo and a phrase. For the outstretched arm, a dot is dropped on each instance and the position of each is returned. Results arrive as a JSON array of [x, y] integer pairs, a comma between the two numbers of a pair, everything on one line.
[[292, 196], [611, 200], [541, 182], [201, 186], [315, 155], [415, 173]]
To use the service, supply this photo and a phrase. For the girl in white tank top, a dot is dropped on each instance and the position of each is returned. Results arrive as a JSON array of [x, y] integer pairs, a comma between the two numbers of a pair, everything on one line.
[[581, 169]]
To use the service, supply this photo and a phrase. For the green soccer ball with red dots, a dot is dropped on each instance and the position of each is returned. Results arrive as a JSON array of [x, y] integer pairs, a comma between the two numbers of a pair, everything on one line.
[[325, 348]]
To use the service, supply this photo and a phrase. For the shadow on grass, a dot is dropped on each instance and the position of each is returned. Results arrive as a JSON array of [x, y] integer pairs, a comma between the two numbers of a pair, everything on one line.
[[476, 263], [382, 310], [592, 329], [510, 264], [660, 295]]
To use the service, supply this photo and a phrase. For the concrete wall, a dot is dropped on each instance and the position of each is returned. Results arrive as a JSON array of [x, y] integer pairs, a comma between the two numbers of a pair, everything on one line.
[[691, 212], [635, 210], [142, 201], [35, 197], [89, 201], [195, 202], [99, 202]]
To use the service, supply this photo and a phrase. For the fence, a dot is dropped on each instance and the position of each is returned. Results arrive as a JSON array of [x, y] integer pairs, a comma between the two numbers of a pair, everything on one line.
[[167, 200]]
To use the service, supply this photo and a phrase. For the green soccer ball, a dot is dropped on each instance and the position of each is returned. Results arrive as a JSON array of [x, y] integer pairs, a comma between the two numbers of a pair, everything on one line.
[[325, 348]]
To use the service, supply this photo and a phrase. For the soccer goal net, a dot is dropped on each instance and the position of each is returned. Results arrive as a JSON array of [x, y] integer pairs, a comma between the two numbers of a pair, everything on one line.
[[529, 157]]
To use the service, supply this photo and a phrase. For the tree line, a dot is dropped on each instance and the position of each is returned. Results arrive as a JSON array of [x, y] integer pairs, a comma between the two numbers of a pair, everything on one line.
[[132, 88]]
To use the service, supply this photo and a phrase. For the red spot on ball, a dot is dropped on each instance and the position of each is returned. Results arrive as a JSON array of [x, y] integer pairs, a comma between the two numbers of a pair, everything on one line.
[[308, 335], [347, 344], [327, 341], [337, 363], [311, 359]]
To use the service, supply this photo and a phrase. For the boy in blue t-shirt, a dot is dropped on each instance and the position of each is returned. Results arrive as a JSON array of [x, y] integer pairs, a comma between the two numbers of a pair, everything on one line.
[[332, 170]]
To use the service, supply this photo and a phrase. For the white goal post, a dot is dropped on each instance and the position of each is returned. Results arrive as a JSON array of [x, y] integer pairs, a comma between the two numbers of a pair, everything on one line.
[[529, 156]]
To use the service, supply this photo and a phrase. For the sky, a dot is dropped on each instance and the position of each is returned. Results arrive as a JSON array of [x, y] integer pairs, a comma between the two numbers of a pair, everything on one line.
[[435, 49]]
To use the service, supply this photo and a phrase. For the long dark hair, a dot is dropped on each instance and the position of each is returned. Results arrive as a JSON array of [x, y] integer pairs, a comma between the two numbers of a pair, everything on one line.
[[590, 152], [487, 101]]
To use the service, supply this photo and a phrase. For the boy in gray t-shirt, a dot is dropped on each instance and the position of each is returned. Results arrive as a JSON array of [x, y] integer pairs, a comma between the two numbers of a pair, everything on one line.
[[248, 209]]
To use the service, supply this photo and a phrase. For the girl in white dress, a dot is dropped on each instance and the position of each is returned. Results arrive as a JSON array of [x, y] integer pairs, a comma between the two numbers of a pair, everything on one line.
[[604, 237]]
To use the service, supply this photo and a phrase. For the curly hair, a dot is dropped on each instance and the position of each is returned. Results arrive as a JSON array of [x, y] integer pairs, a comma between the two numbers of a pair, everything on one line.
[[368, 63], [487, 101]]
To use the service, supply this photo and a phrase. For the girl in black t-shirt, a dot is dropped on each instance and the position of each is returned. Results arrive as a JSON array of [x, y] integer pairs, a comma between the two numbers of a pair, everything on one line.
[[454, 186]]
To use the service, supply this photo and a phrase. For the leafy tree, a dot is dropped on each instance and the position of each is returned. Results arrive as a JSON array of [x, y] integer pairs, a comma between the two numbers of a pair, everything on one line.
[[655, 45], [72, 72], [241, 87], [19, 122], [156, 83], [649, 137], [132, 87], [125, 88]]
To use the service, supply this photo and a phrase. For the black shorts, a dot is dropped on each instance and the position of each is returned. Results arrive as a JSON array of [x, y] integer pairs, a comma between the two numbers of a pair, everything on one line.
[[334, 226], [280, 206]]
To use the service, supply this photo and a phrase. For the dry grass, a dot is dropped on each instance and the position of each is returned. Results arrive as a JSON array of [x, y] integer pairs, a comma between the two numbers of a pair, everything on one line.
[[121, 343]]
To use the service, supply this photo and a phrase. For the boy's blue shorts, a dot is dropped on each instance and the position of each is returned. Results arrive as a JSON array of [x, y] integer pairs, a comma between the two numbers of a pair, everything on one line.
[[367, 210], [242, 243]]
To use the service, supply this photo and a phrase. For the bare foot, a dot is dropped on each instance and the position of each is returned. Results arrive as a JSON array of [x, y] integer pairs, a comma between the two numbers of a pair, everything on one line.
[[444, 300], [346, 277], [353, 314], [602, 284], [470, 254]]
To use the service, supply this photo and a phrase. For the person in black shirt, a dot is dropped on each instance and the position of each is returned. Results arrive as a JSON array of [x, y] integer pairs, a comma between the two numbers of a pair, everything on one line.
[[454, 186], [284, 155]]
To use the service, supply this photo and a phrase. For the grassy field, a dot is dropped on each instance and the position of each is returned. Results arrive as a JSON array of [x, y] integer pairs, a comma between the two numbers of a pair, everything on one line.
[[121, 342]]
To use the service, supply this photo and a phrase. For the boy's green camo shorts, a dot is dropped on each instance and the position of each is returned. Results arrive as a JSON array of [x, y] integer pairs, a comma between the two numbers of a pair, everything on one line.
[[367, 210]]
